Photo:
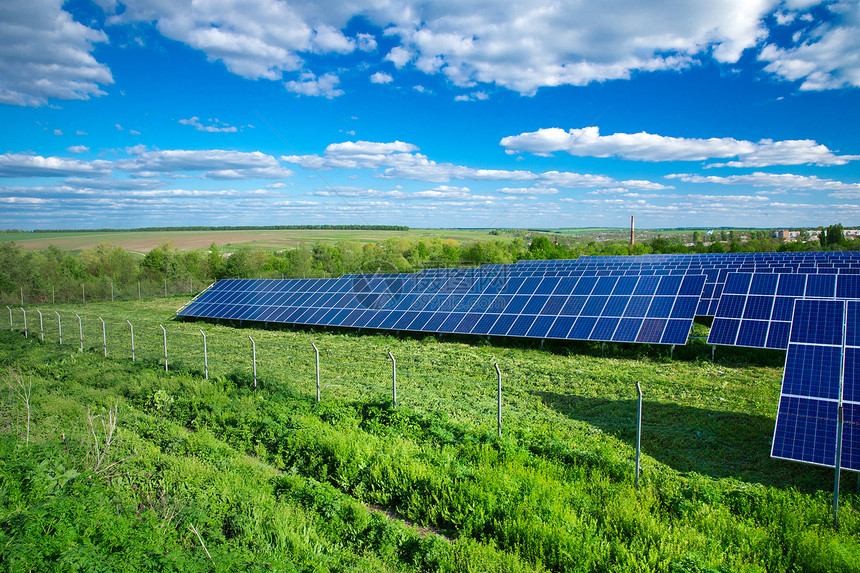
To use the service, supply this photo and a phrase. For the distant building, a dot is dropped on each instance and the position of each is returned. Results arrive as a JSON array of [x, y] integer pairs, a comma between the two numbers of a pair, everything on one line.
[[811, 234]]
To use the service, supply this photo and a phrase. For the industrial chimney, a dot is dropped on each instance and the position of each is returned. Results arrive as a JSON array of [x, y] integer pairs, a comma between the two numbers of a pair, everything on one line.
[[631, 231]]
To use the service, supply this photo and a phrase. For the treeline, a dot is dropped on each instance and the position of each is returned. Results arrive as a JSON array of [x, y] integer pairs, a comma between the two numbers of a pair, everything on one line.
[[234, 228], [108, 271]]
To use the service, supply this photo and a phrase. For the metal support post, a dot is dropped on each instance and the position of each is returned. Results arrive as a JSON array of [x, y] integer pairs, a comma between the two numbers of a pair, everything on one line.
[[131, 326], [10, 319], [205, 356], [317, 351], [393, 380], [41, 327], [165, 347], [254, 359], [499, 377], [104, 336], [638, 434], [838, 468], [81, 331], [25, 322], [59, 327]]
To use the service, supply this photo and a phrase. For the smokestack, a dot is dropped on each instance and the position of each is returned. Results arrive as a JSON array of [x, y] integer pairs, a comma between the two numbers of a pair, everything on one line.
[[631, 231]]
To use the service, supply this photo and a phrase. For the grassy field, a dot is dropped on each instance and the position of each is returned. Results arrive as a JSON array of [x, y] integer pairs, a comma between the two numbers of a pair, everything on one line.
[[555, 493], [144, 241]]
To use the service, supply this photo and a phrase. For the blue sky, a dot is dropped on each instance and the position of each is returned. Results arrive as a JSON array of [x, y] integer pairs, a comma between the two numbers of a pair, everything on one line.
[[452, 113]]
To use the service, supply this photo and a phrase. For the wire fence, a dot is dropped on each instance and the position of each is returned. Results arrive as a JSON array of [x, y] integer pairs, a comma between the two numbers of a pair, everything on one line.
[[446, 381]]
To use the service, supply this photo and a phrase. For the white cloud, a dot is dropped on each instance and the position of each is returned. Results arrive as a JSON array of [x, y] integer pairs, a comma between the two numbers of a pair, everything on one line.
[[827, 58], [381, 78], [310, 85], [133, 132], [779, 181], [399, 56], [529, 190], [214, 127], [22, 165], [78, 149], [45, 54], [365, 42], [214, 163], [587, 142]]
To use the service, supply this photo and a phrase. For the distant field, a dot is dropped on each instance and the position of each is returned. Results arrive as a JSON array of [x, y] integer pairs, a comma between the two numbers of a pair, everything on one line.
[[144, 241]]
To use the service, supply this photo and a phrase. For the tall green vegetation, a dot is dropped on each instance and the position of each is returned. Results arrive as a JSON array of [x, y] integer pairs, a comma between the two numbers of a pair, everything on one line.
[[266, 479]]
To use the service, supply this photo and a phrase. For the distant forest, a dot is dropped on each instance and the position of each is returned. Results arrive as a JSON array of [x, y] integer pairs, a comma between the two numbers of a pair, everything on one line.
[[108, 270]]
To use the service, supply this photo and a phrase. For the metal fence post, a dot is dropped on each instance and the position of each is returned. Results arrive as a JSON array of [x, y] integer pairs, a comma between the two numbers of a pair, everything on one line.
[[25, 322], [131, 326], [638, 434], [41, 326], [205, 356], [59, 327], [10, 319], [317, 350], [254, 359], [393, 380], [104, 335], [499, 375], [165, 347], [81, 331]]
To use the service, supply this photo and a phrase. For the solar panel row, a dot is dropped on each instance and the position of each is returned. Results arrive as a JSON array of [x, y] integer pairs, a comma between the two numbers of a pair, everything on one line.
[[822, 373], [624, 309]]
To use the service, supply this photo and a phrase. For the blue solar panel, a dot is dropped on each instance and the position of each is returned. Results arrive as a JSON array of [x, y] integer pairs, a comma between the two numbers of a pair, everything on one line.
[[820, 374], [756, 309]]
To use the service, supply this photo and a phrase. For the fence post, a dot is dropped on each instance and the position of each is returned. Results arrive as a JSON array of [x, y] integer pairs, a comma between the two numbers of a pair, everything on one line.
[[205, 356], [59, 327], [317, 350], [165, 347], [104, 335], [25, 322], [81, 331], [638, 434], [22, 296], [41, 326], [138, 290], [254, 359], [10, 319], [499, 375], [393, 380], [165, 288], [131, 326]]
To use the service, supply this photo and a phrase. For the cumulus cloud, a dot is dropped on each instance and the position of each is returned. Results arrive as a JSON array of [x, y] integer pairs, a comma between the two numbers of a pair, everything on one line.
[[310, 85], [779, 181], [22, 165], [213, 163], [45, 54], [826, 55], [214, 126], [642, 146], [78, 149], [381, 78]]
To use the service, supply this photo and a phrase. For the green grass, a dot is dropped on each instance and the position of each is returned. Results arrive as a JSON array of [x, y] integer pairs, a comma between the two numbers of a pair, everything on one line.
[[554, 493]]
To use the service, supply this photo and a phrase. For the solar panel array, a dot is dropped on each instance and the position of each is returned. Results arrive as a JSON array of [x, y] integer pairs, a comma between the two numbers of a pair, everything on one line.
[[624, 309], [807, 303], [822, 374], [756, 310]]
